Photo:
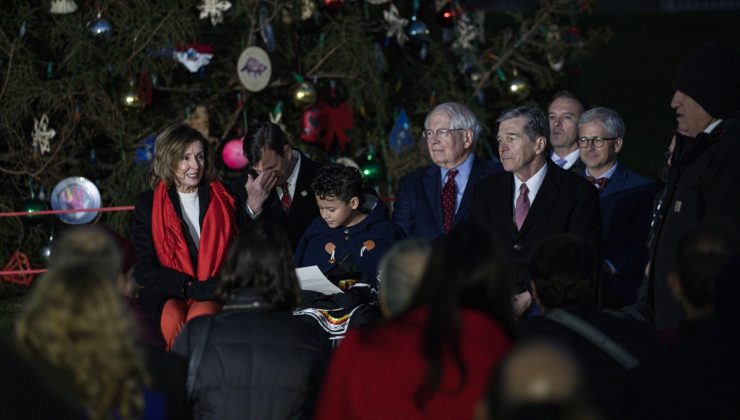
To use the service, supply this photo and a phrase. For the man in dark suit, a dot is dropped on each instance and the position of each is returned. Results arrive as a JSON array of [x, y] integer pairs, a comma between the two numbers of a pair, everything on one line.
[[626, 204], [534, 199], [421, 208], [564, 110], [277, 186]]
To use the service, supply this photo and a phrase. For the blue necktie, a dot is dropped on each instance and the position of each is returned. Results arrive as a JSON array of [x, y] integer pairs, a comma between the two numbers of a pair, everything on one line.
[[561, 162]]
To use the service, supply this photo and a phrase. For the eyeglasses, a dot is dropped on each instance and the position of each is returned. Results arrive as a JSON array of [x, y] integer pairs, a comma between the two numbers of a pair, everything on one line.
[[596, 141], [442, 133]]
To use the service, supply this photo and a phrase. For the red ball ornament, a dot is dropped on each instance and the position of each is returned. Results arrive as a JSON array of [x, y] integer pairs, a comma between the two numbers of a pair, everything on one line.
[[233, 154], [311, 125]]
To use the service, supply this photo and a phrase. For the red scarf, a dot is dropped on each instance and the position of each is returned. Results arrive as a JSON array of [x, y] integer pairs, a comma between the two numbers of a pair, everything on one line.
[[215, 234]]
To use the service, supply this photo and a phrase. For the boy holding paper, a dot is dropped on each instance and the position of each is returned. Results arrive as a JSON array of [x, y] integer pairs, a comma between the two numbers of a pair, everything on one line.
[[349, 238]]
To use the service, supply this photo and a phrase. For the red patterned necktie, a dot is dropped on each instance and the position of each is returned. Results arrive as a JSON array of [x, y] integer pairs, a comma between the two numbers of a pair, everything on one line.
[[449, 197], [522, 206], [286, 201], [599, 183]]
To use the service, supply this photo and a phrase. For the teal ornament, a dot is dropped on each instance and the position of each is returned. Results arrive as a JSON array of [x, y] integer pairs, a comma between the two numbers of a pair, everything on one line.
[[400, 138], [100, 28], [418, 31]]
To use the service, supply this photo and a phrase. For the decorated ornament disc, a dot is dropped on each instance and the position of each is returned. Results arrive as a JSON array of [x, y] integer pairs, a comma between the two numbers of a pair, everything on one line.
[[254, 69], [76, 193]]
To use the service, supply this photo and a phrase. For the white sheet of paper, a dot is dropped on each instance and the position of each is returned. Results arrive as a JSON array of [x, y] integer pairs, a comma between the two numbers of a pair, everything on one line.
[[311, 278]]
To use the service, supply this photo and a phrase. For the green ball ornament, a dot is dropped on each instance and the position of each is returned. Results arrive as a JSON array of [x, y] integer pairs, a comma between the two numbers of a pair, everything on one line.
[[371, 171], [32, 205]]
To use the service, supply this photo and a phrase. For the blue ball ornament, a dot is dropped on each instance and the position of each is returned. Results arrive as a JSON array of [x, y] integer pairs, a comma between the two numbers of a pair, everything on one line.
[[100, 28]]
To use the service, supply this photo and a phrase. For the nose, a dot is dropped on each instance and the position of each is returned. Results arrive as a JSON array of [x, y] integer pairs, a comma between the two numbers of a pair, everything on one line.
[[558, 121], [677, 99]]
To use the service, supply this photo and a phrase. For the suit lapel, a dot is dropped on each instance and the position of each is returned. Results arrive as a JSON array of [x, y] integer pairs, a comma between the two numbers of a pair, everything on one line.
[[545, 196], [302, 195], [433, 191]]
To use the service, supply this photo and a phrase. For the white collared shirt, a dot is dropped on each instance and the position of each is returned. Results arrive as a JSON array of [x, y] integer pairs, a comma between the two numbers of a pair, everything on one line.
[[534, 183], [461, 179], [608, 174], [292, 179], [712, 126], [570, 159]]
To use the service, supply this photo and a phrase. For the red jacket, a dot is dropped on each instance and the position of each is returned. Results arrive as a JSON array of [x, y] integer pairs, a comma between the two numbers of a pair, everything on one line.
[[375, 372]]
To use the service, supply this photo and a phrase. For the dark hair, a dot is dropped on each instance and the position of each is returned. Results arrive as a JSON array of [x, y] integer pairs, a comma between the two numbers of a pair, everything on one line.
[[335, 180], [262, 259], [170, 147], [565, 269], [538, 125], [563, 93], [700, 254], [265, 135], [464, 271], [88, 246]]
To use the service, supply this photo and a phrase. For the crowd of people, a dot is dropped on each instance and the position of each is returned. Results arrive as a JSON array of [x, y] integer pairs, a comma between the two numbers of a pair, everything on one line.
[[551, 283]]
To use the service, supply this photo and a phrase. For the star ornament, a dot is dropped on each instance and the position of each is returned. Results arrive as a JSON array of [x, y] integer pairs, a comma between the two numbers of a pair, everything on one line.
[[215, 9], [396, 25], [42, 134]]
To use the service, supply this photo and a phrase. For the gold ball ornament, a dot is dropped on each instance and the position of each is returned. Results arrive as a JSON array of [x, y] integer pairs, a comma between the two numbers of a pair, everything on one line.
[[130, 97], [519, 87], [303, 95]]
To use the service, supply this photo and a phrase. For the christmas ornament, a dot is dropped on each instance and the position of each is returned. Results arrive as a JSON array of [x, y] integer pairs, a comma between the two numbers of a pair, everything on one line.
[[556, 63], [303, 94], [145, 151], [266, 31], [370, 171], [100, 28], [334, 92], [348, 162], [193, 56], [335, 120], [23, 29], [76, 193], [61, 7], [311, 125], [214, 9], [447, 15], [254, 69], [233, 154], [400, 137], [42, 134], [395, 27], [519, 86], [47, 249], [130, 96], [468, 31], [276, 115], [18, 262], [418, 31], [30, 206], [332, 4]]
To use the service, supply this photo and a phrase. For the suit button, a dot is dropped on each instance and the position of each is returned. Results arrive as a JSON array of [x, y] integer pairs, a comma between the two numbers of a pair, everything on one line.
[[517, 247]]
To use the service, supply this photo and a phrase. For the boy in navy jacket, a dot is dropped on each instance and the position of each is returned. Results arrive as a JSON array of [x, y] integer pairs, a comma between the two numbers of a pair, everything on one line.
[[353, 232]]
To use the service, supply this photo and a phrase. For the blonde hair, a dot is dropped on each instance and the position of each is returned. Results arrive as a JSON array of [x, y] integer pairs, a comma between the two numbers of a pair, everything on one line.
[[75, 320], [169, 149]]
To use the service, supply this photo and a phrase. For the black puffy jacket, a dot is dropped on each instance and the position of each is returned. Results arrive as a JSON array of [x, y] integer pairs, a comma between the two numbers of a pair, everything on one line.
[[258, 362]]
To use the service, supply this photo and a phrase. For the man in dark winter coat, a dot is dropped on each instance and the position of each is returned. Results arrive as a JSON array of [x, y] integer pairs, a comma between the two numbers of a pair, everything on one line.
[[704, 178]]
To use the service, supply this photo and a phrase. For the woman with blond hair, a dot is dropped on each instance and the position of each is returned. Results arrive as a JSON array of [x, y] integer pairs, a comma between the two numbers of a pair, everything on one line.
[[181, 231], [76, 330]]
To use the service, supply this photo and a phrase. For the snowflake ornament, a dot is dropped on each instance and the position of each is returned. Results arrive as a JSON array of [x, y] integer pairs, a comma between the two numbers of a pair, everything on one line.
[[42, 134], [468, 32], [396, 25], [215, 9]]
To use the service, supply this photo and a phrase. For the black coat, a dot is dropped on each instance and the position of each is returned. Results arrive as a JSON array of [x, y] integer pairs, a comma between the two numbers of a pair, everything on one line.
[[258, 363], [158, 283], [703, 184], [303, 206], [565, 203], [606, 379]]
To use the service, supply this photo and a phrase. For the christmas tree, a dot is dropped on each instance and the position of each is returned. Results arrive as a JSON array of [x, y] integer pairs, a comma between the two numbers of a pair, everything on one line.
[[85, 88]]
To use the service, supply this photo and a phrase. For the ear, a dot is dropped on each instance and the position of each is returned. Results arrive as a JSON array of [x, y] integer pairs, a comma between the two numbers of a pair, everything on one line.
[[618, 144], [287, 151], [467, 139], [540, 144], [674, 284], [354, 202]]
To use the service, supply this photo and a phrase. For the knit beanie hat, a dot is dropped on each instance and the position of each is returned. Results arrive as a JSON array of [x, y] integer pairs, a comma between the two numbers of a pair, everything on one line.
[[711, 77]]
